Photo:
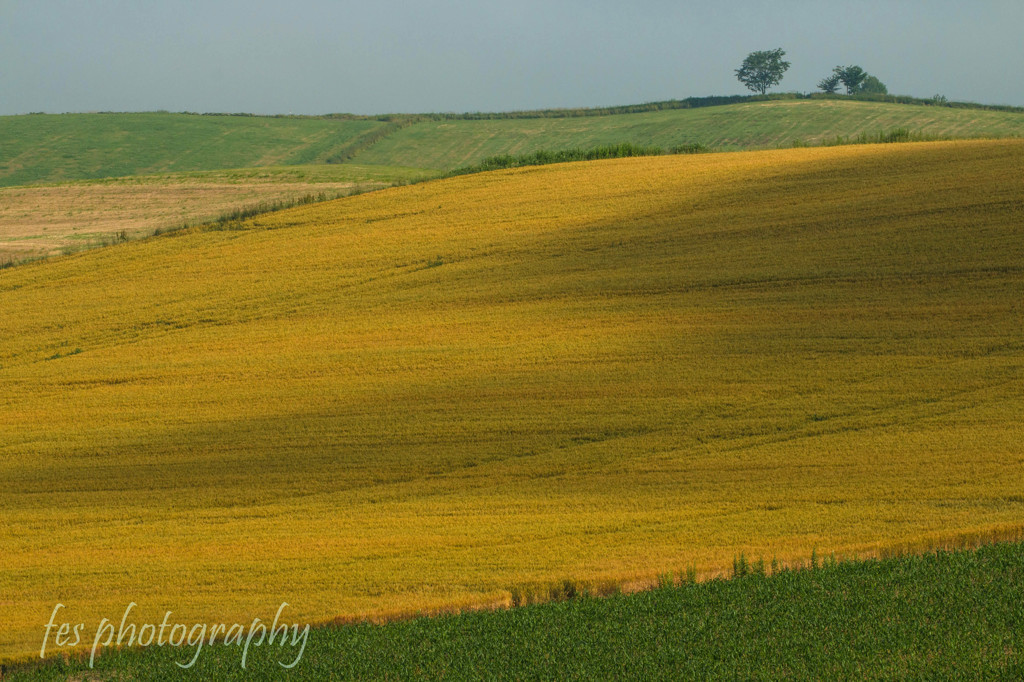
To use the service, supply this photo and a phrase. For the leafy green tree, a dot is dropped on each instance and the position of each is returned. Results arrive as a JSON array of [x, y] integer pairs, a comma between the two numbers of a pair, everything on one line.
[[873, 86], [761, 70], [829, 83], [851, 77]]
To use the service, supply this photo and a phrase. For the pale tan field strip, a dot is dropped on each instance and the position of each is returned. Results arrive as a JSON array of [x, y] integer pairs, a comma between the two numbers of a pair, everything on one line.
[[47, 220], [423, 397], [44, 221]]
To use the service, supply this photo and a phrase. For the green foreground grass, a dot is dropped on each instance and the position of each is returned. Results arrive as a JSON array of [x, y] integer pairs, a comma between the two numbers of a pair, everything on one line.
[[940, 615]]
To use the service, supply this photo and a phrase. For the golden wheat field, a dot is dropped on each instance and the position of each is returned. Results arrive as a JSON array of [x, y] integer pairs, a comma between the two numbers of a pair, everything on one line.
[[423, 397]]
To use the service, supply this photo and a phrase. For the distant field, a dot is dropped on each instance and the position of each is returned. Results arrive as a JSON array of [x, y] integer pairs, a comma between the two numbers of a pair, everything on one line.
[[756, 125], [56, 148], [433, 396], [44, 220]]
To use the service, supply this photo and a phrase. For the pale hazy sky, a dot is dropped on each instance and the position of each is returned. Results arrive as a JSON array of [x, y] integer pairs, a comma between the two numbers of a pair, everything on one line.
[[377, 56]]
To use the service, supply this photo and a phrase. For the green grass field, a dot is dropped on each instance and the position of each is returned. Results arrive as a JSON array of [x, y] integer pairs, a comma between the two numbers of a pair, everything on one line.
[[942, 615], [56, 148], [451, 144]]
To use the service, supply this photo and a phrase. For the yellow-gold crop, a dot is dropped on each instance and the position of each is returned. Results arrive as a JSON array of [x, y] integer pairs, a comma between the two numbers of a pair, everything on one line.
[[424, 397]]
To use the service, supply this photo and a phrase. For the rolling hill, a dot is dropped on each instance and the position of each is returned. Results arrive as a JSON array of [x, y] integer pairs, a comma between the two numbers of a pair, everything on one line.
[[145, 173], [58, 148], [427, 397]]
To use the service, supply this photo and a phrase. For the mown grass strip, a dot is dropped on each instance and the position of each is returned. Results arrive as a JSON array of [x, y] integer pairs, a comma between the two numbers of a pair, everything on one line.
[[625, 150]]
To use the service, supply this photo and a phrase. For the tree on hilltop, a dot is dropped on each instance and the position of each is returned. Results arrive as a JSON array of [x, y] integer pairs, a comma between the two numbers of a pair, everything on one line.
[[761, 70], [872, 85], [855, 79], [851, 77], [829, 84]]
